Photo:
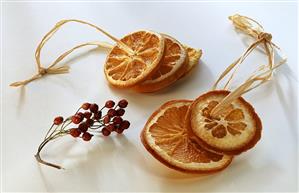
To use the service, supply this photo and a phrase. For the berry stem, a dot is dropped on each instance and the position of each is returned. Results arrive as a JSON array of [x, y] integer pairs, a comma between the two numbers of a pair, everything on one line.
[[47, 140], [48, 131]]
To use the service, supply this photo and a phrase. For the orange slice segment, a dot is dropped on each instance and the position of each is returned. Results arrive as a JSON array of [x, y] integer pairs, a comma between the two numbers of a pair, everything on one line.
[[123, 69], [165, 137], [234, 130], [194, 56], [170, 69]]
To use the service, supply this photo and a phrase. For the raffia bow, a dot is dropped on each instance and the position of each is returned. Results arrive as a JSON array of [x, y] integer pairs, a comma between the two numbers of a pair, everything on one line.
[[262, 74], [53, 69]]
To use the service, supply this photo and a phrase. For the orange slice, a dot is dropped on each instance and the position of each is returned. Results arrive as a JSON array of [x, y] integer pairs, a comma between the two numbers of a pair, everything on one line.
[[194, 56], [171, 67], [165, 137], [125, 69], [234, 130]]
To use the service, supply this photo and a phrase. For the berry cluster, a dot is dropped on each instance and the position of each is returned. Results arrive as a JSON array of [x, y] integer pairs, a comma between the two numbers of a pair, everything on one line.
[[92, 118], [88, 120]]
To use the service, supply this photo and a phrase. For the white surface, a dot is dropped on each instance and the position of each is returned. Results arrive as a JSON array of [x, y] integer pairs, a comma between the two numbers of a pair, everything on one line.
[[120, 163]]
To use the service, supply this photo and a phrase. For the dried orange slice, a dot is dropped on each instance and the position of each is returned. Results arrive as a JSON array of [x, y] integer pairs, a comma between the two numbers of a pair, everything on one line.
[[194, 56], [234, 130], [125, 69], [165, 137], [170, 69]]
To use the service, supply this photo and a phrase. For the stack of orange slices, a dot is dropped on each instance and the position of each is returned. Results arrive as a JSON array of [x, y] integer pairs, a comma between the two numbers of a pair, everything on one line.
[[184, 136], [149, 61]]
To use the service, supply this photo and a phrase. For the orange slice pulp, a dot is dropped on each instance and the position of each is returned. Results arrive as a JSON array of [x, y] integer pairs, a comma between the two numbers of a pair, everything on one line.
[[165, 137], [234, 130], [125, 69]]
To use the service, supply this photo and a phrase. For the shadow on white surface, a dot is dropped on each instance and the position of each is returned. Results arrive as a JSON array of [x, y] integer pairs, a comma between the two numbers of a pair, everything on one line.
[[90, 159], [289, 99]]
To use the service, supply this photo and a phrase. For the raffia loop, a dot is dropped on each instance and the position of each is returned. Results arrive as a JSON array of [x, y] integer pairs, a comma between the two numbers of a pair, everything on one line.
[[53, 69], [262, 74]]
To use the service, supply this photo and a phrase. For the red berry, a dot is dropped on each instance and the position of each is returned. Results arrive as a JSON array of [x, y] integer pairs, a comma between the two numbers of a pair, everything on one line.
[[125, 124], [76, 119], [94, 108], [117, 120], [105, 132], [83, 127], [119, 130], [110, 127], [97, 115], [111, 112], [75, 132], [58, 120], [89, 122], [85, 106], [81, 115], [109, 104], [123, 103], [86, 136], [106, 119], [120, 112], [87, 115]]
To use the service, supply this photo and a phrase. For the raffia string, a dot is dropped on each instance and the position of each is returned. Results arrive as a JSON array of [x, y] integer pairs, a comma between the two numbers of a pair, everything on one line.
[[53, 69], [262, 74]]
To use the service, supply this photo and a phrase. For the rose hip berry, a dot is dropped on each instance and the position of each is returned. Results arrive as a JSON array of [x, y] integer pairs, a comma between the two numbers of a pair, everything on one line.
[[75, 132], [97, 115], [119, 130], [87, 115], [106, 120], [105, 131], [89, 122], [120, 112], [109, 104], [111, 112], [58, 120], [125, 124], [117, 120], [83, 127], [81, 115], [123, 103], [86, 136], [94, 108], [76, 119], [85, 106], [110, 127]]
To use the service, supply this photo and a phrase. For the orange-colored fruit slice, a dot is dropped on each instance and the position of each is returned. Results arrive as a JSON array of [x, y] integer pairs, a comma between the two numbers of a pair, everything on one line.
[[165, 137], [234, 130], [170, 69], [194, 56], [124, 69]]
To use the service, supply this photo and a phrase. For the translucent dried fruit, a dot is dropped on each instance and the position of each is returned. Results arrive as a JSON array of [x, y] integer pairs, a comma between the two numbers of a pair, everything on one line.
[[236, 128], [126, 68], [171, 67], [166, 137]]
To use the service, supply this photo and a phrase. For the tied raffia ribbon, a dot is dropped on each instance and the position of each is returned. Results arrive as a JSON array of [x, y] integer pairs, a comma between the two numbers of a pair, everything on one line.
[[262, 74], [53, 68]]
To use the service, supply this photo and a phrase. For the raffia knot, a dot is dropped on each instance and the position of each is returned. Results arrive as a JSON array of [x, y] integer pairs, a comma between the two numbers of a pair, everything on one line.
[[42, 71], [265, 36]]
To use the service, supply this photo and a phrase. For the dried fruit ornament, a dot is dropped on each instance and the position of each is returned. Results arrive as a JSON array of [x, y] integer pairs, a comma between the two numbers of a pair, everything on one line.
[[203, 135], [87, 121], [144, 60]]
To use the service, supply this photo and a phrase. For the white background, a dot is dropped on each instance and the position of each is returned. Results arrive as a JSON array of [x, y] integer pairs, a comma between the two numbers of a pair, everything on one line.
[[120, 163]]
